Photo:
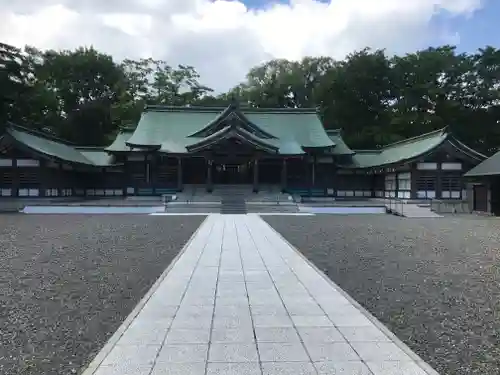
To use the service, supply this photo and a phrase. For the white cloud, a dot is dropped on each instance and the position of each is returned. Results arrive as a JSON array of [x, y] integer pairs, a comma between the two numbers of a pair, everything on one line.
[[223, 39]]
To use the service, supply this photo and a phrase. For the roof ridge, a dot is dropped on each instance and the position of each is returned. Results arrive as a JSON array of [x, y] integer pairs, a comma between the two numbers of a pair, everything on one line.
[[331, 131], [468, 148], [232, 110], [127, 129], [194, 108], [96, 148], [40, 134], [377, 150], [417, 137]]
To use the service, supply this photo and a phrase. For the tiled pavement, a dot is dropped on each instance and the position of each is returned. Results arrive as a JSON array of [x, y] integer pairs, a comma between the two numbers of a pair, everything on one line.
[[242, 301]]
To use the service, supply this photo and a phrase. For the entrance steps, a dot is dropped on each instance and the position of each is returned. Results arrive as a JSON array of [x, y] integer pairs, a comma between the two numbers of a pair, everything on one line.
[[233, 205], [232, 199], [193, 207], [270, 208]]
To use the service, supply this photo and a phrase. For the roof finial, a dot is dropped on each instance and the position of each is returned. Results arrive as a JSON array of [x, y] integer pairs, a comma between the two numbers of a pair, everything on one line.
[[234, 101]]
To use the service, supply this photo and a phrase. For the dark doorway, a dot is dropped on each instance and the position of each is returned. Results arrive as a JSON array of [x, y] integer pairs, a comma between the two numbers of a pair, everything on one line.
[[495, 196], [480, 198], [232, 173]]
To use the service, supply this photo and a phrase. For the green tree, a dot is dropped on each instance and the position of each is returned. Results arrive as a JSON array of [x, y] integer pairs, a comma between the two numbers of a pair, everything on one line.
[[87, 84], [284, 83], [176, 86], [13, 83], [358, 98]]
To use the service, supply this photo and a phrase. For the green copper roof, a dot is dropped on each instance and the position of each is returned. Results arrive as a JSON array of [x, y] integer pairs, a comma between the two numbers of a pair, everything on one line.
[[489, 167], [408, 150], [233, 132], [120, 142], [404, 150], [340, 147], [97, 156], [175, 129], [59, 149]]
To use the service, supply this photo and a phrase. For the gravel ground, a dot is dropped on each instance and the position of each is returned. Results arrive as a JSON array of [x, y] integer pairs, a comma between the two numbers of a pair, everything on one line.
[[434, 282], [68, 281]]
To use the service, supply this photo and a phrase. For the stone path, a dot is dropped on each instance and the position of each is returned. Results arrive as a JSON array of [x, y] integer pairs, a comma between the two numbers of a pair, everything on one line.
[[241, 301], [411, 210], [415, 211]]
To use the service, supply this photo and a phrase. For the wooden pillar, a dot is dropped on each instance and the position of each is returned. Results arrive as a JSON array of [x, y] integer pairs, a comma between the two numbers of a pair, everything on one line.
[[256, 175], [179, 174], [463, 186], [439, 183], [60, 180], [104, 180], [284, 175], [373, 187], [309, 175], [209, 182], [333, 178], [42, 178], [126, 178], [396, 181], [313, 172], [414, 178], [153, 165], [15, 178]]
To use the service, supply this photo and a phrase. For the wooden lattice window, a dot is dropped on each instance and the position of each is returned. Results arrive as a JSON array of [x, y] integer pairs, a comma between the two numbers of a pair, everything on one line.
[[28, 176], [451, 183], [6, 176], [426, 183], [451, 187], [137, 171]]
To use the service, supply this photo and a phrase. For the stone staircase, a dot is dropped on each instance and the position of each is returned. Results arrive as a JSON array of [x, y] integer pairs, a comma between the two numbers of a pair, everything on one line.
[[233, 198]]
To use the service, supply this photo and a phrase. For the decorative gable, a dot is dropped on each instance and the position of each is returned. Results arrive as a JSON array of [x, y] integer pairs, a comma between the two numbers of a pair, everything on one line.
[[232, 117]]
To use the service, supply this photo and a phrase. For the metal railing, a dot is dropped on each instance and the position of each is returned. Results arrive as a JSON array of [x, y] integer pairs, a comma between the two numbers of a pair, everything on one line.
[[395, 205]]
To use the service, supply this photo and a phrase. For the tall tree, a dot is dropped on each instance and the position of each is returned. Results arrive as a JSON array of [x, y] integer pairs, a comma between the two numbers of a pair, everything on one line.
[[484, 104], [87, 84], [359, 97], [284, 83], [13, 83]]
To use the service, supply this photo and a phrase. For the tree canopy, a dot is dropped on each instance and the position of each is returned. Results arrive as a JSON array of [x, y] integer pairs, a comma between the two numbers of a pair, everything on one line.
[[86, 96]]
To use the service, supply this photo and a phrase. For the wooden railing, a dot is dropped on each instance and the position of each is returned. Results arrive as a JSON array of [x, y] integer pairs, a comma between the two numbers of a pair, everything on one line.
[[395, 205], [450, 206]]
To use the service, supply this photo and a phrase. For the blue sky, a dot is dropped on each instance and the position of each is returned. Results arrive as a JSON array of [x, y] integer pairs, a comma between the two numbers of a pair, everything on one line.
[[224, 41], [479, 30], [476, 31]]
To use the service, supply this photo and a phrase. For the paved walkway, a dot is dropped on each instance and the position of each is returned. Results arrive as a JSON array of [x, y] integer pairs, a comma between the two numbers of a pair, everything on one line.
[[241, 301], [411, 210]]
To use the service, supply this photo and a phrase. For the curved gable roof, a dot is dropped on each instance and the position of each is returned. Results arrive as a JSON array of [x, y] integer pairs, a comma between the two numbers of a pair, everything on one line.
[[54, 148], [410, 149], [233, 132], [172, 129]]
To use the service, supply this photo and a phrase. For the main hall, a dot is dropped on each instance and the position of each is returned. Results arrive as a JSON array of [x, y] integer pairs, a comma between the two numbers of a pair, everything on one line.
[[290, 149]]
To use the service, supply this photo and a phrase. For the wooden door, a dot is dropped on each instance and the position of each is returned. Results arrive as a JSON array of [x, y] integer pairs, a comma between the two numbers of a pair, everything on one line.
[[480, 198]]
